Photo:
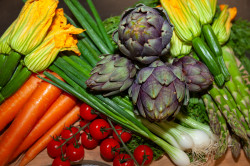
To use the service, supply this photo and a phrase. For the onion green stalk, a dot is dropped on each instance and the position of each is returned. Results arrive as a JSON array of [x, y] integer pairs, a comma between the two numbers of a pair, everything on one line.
[[183, 139], [195, 124]]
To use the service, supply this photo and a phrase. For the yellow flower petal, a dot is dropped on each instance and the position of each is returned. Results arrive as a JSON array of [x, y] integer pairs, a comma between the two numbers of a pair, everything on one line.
[[32, 25], [185, 24], [60, 38], [4, 40]]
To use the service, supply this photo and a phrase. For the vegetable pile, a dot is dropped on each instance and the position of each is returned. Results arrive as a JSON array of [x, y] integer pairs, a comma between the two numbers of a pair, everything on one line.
[[162, 78]]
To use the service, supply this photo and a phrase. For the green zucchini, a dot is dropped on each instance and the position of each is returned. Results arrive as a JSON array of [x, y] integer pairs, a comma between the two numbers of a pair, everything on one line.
[[14, 84], [207, 57], [9, 67], [215, 47]]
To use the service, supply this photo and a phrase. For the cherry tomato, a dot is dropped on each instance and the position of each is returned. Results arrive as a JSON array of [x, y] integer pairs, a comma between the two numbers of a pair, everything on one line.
[[87, 140], [59, 162], [125, 135], [75, 153], [67, 133], [143, 152], [53, 149], [109, 148], [87, 112], [99, 129], [123, 160]]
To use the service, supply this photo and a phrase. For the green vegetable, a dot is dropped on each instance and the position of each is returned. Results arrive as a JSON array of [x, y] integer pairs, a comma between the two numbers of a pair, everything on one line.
[[240, 41], [14, 84], [150, 3], [9, 67], [215, 47], [100, 25], [207, 57]]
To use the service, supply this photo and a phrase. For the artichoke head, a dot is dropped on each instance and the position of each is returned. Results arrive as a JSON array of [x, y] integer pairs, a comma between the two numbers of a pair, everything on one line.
[[158, 91], [197, 75], [144, 33], [112, 75]]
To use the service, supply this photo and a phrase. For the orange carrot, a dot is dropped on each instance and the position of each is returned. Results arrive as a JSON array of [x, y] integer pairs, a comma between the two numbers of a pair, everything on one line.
[[13, 104], [56, 130], [38, 103], [56, 111]]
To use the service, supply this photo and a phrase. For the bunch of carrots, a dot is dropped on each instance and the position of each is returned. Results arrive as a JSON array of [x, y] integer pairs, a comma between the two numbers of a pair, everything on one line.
[[37, 112]]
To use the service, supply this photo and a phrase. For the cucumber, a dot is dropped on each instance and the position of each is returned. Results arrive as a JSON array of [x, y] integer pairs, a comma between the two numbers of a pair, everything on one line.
[[207, 57], [9, 67], [14, 84], [215, 47]]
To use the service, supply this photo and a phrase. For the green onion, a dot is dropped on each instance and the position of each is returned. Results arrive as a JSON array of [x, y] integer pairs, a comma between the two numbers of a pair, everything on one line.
[[89, 30], [100, 25]]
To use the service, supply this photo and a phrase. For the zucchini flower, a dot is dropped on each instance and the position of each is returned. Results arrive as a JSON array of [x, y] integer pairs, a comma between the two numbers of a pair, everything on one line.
[[213, 4], [222, 26], [202, 10], [32, 24], [177, 47], [60, 37], [4, 40], [186, 26]]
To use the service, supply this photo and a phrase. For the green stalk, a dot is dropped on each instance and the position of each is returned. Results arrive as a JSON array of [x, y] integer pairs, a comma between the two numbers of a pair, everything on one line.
[[231, 103], [17, 71], [81, 62], [231, 64], [211, 111], [223, 139], [194, 124], [87, 16], [100, 25], [231, 117], [92, 34], [85, 52], [240, 102]]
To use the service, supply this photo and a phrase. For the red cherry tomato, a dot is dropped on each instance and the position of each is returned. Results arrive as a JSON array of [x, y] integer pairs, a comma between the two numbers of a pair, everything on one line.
[[99, 129], [59, 162], [109, 148], [87, 141], [143, 153], [123, 160], [67, 133], [125, 135], [75, 153], [87, 112], [53, 149]]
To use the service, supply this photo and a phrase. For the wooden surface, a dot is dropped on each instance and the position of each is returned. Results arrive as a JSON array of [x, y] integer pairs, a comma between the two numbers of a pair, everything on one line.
[[227, 160]]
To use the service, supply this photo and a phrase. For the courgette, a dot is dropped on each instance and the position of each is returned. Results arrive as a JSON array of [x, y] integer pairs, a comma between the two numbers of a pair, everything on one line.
[[215, 47], [207, 57], [14, 84], [9, 67]]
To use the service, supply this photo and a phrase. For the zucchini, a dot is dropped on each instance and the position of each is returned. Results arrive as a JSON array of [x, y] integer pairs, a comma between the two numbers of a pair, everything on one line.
[[14, 84], [9, 67], [215, 47], [207, 57]]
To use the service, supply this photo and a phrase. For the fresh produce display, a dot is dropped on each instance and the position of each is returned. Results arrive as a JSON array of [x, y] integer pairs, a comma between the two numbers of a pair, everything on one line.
[[161, 78]]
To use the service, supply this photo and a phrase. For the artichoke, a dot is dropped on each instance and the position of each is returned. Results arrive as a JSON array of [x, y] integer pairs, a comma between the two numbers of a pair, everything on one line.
[[158, 91], [144, 33], [113, 74], [196, 73]]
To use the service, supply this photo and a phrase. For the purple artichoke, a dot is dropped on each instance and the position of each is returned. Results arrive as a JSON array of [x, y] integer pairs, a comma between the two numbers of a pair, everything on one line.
[[196, 73], [144, 33], [112, 75], [158, 91]]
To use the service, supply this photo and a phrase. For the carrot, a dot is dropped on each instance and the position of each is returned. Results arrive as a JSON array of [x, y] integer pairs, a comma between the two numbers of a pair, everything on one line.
[[40, 100], [13, 104], [56, 130], [56, 111]]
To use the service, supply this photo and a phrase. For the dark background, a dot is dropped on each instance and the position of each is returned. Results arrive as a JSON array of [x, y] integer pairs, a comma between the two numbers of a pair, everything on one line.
[[9, 9]]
